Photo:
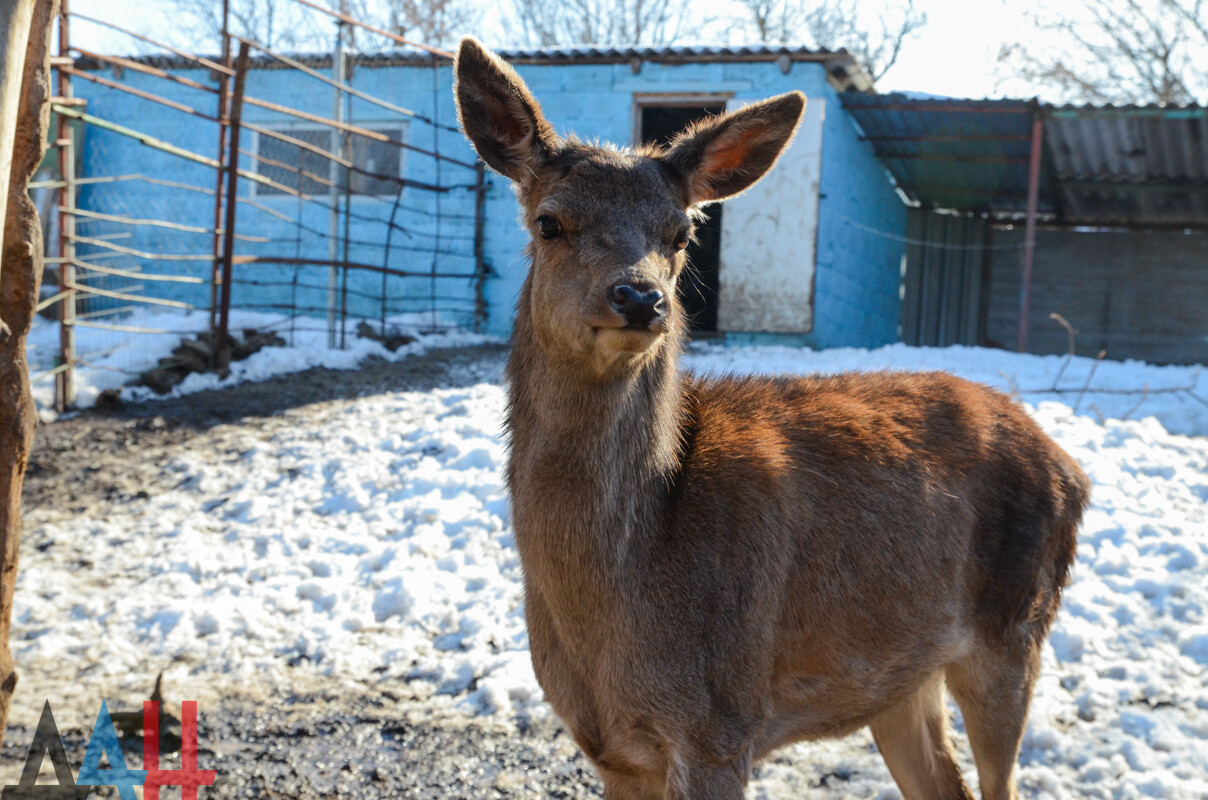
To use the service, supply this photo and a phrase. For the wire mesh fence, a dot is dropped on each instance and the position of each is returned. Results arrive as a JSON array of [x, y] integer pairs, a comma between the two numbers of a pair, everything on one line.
[[252, 190]]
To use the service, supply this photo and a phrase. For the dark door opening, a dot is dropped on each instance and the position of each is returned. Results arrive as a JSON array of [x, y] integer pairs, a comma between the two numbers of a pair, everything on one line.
[[698, 286]]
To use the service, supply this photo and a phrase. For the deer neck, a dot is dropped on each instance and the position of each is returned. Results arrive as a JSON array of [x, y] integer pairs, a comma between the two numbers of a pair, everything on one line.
[[591, 464]]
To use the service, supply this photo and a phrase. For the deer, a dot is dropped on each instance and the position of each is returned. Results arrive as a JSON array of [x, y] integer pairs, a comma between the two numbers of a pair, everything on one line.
[[717, 567]]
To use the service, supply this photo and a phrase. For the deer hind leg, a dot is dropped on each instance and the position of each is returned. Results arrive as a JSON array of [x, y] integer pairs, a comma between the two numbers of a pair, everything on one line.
[[993, 687], [913, 739]]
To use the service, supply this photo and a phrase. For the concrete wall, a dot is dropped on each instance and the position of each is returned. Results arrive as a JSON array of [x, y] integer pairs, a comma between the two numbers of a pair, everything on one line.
[[856, 293]]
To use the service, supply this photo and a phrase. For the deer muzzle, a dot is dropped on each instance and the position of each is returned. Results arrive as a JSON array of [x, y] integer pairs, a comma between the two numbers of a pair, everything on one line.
[[642, 306]]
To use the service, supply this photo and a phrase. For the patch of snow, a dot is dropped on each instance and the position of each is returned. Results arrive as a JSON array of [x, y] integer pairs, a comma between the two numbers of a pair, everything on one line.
[[370, 540]]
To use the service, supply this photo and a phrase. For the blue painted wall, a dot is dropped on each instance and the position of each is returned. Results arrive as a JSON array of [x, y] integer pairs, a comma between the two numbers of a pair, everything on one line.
[[857, 276]]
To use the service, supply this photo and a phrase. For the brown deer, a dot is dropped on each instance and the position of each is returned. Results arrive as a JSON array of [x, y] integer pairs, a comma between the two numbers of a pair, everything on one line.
[[715, 568]]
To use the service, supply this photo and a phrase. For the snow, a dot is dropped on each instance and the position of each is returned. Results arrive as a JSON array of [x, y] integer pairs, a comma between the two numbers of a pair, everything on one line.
[[113, 358], [370, 540]]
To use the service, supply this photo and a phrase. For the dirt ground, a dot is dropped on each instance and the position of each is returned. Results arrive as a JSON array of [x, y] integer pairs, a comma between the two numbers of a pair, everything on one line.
[[346, 741]]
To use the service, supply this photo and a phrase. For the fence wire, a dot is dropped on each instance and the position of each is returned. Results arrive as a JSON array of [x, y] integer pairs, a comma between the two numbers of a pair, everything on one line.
[[345, 209]]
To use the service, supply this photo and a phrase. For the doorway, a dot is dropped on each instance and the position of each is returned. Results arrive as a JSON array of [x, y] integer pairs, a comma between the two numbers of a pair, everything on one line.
[[658, 123]]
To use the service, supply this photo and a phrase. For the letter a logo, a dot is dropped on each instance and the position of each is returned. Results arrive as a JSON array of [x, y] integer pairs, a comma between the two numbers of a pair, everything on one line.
[[46, 740], [104, 741]]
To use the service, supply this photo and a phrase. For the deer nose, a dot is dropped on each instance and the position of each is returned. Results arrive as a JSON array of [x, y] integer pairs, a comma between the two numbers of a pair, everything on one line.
[[641, 306]]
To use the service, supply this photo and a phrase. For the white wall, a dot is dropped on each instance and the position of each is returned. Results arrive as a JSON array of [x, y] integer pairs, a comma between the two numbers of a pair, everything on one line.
[[769, 237]]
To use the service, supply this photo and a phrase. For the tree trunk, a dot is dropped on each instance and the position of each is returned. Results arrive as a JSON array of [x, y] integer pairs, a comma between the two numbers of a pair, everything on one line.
[[14, 30], [20, 276]]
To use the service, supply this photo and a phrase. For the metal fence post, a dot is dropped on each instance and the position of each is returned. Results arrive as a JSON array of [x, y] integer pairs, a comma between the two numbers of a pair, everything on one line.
[[333, 194], [1029, 239], [65, 378], [224, 87], [228, 239], [480, 267]]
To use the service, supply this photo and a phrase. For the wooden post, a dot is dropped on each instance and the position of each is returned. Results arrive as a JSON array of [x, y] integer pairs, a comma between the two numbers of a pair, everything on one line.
[[1029, 237], [20, 273], [228, 238]]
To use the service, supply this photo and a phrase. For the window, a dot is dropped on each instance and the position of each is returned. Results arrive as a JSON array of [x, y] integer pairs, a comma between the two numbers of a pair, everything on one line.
[[280, 161]]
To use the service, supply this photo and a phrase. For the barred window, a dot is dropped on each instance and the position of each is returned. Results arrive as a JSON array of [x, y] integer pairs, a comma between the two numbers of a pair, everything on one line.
[[379, 164]]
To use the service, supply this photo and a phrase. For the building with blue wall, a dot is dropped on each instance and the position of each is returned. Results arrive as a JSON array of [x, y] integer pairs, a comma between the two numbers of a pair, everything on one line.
[[849, 274]]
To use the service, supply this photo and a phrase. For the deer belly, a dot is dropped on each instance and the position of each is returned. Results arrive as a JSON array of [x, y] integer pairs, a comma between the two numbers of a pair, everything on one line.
[[837, 695]]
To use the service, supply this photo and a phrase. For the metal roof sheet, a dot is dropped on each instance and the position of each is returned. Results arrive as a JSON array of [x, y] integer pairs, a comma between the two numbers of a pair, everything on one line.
[[842, 68], [944, 153], [1101, 165], [1125, 164]]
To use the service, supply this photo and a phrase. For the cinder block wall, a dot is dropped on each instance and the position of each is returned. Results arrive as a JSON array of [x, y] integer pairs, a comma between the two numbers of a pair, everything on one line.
[[857, 277]]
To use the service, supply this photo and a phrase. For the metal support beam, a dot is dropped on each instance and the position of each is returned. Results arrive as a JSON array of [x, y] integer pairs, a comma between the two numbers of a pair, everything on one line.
[[65, 380], [337, 147], [224, 87], [480, 267], [1029, 239], [928, 137], [232, 191]]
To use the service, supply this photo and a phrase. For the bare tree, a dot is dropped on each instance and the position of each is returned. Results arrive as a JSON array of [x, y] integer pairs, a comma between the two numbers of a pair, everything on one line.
[[275, 24], [437, 23], [1114, 51], [433, 22], [875, 39], [546, 23], [20, 275], [773, 20]]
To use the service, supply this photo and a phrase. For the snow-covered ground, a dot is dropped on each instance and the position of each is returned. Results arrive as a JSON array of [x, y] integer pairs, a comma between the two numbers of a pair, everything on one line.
[[370, 540]]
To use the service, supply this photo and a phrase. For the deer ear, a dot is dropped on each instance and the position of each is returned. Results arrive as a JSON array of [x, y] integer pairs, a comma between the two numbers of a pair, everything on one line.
[[499, 114], [724, 156]]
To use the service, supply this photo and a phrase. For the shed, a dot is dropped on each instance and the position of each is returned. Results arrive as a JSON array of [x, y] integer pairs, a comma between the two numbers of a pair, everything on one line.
[[789, 261], [1117, 243]]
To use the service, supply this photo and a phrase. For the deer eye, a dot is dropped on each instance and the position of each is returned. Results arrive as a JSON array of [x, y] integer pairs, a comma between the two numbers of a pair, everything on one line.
[[548, 227], [681, 240]]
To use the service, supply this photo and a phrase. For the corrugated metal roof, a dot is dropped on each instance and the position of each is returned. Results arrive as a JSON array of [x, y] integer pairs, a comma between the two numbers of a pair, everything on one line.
[[1120, 164], [703, 52], [844, 72], [944, 153], [842, 68], [1101, 165]]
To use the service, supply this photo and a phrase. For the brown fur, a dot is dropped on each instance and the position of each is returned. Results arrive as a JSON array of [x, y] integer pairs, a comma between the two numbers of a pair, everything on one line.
[[718, 567]]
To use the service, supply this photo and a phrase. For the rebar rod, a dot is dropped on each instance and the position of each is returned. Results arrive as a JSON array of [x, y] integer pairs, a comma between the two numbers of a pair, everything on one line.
[[205, 62], [392, 36]]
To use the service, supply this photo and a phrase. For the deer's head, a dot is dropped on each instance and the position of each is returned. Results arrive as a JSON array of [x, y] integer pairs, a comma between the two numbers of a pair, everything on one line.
[[609, 226]]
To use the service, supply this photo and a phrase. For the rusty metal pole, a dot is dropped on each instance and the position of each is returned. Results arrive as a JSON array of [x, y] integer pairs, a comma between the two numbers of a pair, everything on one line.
[[333, 195], [65, 140], [1029, 237], [224, 86], [228, 238], [480, 269]]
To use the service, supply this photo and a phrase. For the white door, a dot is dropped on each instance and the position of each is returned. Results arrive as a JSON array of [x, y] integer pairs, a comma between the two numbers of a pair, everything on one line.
[[768, 236]]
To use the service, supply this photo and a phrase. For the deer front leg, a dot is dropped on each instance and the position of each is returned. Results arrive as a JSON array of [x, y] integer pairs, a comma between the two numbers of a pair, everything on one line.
[[703, 781], [621, 786]]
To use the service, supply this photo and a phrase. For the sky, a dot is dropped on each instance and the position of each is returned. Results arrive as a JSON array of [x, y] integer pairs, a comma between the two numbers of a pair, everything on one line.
[[954, 55]]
